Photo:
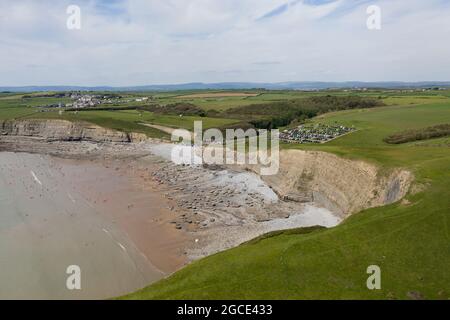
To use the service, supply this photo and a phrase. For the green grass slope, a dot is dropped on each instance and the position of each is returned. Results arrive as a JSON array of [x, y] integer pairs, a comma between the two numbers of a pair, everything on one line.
[[409, 241], [130, 120], [13, 107]]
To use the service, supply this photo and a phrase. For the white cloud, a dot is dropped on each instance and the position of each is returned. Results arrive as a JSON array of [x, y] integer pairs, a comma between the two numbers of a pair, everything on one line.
[[136, 42]]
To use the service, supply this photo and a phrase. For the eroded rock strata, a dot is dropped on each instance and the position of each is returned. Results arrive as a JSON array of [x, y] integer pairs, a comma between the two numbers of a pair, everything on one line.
[[61, 130], [343, 186], [222, 207]]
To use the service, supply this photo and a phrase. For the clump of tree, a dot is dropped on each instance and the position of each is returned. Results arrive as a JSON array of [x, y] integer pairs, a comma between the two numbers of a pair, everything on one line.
[[47, 95], [442, 130], [279, 114], [182, 108]]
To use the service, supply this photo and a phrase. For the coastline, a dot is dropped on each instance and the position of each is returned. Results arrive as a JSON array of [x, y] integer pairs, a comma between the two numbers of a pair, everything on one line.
[[158, 215], [60, 212]]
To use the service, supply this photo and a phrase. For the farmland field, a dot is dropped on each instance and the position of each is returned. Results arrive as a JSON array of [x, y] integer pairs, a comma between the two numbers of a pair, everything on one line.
[[409, 240], [219, 95]]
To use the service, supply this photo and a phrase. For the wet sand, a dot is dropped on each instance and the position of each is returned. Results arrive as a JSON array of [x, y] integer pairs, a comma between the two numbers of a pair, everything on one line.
[[124, 213], [55, 213]]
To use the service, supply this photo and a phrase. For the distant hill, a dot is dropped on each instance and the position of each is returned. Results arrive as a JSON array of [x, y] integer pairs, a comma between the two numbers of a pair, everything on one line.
[[308, 85]]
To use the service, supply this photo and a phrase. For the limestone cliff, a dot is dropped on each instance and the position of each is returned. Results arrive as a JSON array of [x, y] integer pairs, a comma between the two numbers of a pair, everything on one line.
[[341, 185], [61, 130]]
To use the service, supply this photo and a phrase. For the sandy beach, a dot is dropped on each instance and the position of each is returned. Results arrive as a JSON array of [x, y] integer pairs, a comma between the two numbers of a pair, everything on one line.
[[56, 212], [125, 214]]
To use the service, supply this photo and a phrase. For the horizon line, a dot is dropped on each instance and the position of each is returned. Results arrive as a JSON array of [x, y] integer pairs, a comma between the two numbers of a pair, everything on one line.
[[447, 82]]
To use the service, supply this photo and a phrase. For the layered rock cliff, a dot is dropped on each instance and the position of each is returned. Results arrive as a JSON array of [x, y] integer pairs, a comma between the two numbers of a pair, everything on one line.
[[61, 130], [344, 186]]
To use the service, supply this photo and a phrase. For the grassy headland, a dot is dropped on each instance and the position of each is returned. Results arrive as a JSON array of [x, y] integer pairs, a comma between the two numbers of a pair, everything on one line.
[[408, 240]]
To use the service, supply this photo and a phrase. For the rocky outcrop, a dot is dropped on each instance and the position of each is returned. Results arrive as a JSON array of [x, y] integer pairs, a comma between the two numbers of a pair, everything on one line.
[[342, 185], [61, 130]]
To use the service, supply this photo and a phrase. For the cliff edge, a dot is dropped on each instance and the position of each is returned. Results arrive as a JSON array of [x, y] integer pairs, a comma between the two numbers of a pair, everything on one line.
[[341, 185], [62, 130]]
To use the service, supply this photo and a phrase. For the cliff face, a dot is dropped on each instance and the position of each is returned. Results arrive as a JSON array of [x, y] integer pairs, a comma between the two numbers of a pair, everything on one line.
[[341, 185], [344, 186], [61, 130]]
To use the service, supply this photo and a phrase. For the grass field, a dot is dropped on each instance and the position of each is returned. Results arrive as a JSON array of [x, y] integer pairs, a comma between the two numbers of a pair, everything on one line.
[[207, 101], [218, 95], [221, 103], [14, 107], [133, 117], [414, 100], [411, 243]]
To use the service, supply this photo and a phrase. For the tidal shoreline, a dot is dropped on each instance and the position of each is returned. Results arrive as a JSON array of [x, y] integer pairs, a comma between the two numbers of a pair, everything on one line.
[[152, 217], [97, 215]]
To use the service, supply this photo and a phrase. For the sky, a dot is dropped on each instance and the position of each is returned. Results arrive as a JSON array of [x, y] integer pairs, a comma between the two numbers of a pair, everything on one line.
[[143, 42]]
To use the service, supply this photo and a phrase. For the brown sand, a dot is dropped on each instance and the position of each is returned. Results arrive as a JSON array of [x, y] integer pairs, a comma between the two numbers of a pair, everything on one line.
[[128, 215], [102, 215], [123, 192]]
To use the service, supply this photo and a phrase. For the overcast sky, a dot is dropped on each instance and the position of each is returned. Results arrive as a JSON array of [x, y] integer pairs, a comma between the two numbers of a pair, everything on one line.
[[139, 42]]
